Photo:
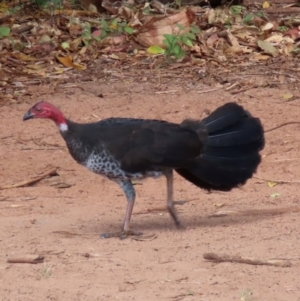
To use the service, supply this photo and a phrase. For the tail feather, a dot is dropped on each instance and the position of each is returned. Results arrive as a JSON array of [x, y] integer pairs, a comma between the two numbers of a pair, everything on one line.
[[224, 116], [231, 152], [242, 132]]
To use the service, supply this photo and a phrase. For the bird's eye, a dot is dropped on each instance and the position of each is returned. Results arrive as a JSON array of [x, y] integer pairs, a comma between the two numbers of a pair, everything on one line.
[[38, 109]]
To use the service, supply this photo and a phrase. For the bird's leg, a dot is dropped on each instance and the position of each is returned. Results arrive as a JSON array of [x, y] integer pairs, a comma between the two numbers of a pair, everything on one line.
[[129, 191], [170, 202]]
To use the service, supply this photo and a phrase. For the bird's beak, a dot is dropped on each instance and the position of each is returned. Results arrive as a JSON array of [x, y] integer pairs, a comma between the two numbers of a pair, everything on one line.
[[27, 116]]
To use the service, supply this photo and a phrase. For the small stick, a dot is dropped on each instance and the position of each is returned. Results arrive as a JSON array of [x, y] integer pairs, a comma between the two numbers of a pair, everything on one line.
[[232, 86], [72, 234], [255, 212], [281, 125], [242, 90], [26, 259], [238, 259], [207, 91], [4, 137], [166, 92], [51, 172], [278, 181]]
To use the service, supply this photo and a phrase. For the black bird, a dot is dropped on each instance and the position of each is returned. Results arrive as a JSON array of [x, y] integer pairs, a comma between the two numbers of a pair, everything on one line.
[[219, 152]]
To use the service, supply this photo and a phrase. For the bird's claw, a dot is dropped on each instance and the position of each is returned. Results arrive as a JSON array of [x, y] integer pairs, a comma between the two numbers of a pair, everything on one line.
[[122, 235]]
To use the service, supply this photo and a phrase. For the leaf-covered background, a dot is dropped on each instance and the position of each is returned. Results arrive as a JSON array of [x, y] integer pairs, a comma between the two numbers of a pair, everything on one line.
[[60, 43]]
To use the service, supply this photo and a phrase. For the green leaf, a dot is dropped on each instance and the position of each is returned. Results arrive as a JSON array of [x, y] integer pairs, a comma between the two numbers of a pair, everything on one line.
[[155, 50], [176, 49], [104, 25], [65, 45], [282, 28], [187, 41], [181, 27], [112, 22], [181, 54], [236, 10], [168, 37], [128, 29], [4, 31], [260, 14], [167, 43], [248, 18], [190, 36], [194, 29]]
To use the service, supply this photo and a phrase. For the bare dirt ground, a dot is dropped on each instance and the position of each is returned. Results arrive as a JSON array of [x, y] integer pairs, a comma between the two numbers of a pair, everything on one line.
[[64, 224]]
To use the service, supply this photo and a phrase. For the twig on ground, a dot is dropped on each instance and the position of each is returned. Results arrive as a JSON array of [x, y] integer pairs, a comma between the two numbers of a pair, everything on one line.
[[51, 172], [255, 212], [72, 234], [281, 125], [212, 90], [238, 259], [5, 137], [242, 90], [232, 86], [26, 259], [166, 92], [284, 160], [278, 181], [145, 237]]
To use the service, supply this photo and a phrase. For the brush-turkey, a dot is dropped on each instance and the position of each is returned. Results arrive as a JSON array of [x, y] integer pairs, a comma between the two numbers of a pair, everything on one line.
[[219, 152]]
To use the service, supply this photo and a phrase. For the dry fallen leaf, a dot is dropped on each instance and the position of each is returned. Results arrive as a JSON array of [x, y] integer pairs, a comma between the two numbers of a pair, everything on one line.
[[267, 26], [260, 57], [276, 38], [67, 61], [212, 40], [267, 48], [293, 33], [266, 4], [288, 96], [152, 33], [275, 195]]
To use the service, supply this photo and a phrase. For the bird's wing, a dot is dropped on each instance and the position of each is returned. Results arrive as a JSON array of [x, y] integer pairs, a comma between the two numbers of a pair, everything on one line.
[[149, 144]]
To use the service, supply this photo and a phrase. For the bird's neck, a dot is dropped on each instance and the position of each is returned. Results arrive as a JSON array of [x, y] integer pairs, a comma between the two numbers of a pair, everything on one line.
[[63, 127], [60, 121]]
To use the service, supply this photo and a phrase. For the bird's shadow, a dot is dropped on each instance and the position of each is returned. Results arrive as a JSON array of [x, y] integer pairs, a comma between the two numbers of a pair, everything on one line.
[[150, 222]]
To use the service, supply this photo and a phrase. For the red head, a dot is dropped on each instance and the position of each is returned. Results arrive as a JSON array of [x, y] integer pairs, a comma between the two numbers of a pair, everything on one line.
[[44, 109]]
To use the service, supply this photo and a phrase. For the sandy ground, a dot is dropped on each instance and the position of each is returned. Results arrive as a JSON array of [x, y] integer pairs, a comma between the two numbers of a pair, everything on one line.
[[64, 224]]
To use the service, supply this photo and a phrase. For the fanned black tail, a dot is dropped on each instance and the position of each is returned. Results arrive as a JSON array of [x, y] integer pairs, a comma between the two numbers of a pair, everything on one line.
[[231, 153]]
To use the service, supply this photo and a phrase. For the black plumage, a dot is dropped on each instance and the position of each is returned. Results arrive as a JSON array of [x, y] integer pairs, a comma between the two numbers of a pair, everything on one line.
[[219, 152]]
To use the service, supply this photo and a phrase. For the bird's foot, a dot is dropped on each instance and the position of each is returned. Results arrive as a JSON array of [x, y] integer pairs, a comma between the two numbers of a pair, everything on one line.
[[179, 226], [122, 235]]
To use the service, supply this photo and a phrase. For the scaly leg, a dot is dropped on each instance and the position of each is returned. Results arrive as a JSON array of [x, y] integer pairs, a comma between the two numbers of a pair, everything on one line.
[[170, 202], [129, 191]]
